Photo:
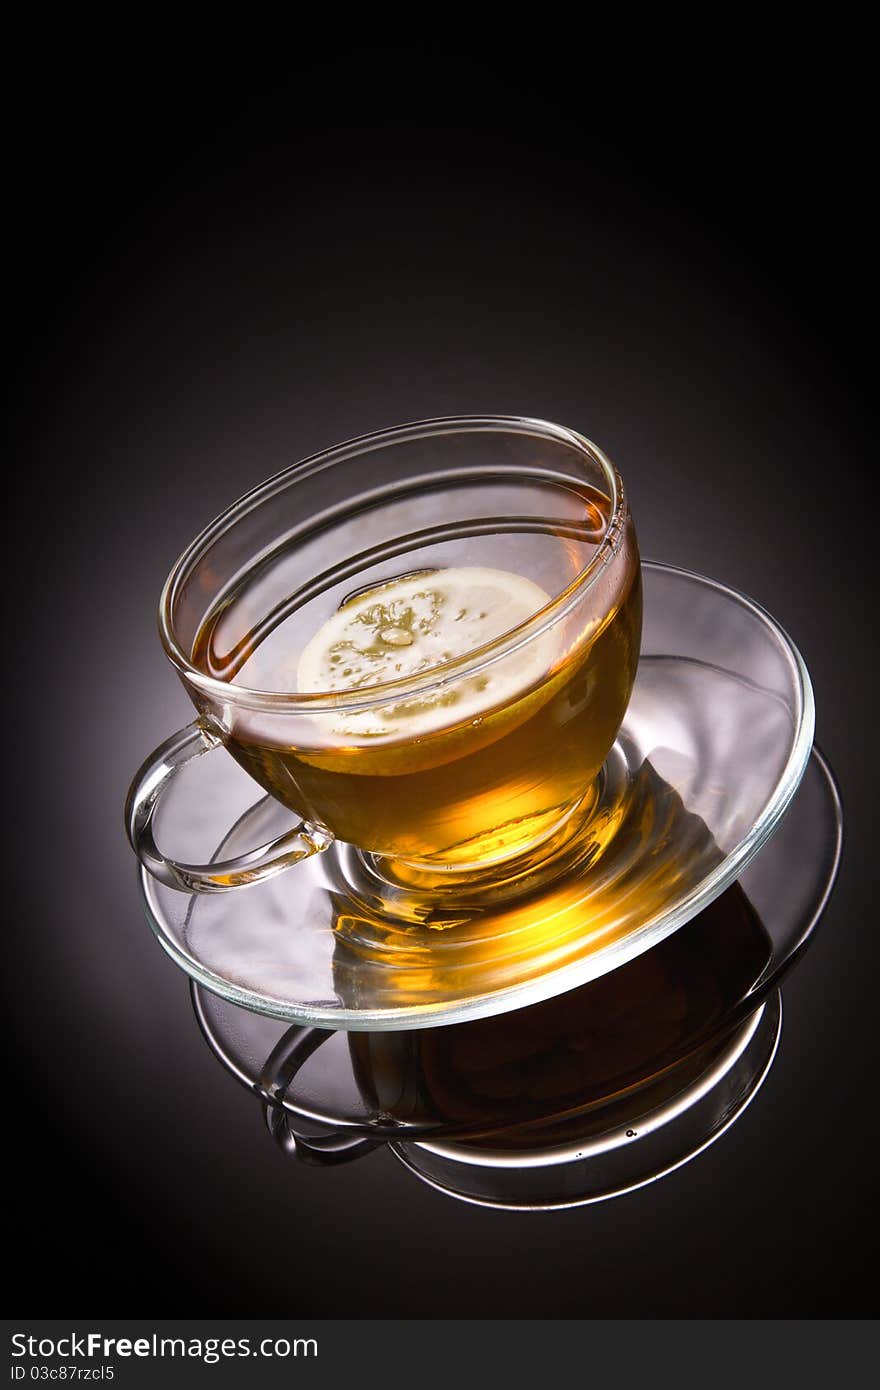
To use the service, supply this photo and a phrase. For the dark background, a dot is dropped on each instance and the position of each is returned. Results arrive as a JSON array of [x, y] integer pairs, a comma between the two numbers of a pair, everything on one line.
[[213, 284]]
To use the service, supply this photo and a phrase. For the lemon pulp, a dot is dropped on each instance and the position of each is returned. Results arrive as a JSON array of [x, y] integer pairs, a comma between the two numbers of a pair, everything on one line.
[[413, 624]]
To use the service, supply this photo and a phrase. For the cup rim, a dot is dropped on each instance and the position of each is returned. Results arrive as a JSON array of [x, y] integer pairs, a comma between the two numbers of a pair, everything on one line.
[[472, 662]]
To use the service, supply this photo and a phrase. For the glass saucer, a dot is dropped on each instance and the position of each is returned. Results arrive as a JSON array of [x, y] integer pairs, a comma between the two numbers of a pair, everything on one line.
[[574, 1071], [711, 752]]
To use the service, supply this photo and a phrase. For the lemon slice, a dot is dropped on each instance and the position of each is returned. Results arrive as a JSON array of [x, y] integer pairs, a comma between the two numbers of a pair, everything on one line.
[[413, 624]]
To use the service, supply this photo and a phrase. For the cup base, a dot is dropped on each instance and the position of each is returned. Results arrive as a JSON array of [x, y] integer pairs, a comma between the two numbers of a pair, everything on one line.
[[622, 842], [586, 843], [411, 890]]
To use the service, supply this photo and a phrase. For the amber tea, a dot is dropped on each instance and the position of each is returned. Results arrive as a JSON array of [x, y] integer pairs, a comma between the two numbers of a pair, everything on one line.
[[449, 745]]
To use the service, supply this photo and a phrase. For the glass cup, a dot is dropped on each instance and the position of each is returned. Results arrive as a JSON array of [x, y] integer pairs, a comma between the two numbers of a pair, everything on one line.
[[422, 642]]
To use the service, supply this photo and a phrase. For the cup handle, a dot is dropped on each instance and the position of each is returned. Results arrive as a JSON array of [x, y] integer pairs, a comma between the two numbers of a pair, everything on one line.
[[143, 798]]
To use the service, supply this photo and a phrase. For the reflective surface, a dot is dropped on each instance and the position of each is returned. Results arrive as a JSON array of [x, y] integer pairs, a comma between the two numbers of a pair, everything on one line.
[[234, 297], [712, 749], [665, 1128], [577, 1098]]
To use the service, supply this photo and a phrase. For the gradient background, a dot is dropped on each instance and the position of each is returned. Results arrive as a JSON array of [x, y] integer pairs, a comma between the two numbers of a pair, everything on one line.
[[212, 289]]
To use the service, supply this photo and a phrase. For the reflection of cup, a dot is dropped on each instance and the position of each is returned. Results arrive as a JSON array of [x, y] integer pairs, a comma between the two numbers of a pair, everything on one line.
[[576, 1097], [385, 560], [594, 1052]]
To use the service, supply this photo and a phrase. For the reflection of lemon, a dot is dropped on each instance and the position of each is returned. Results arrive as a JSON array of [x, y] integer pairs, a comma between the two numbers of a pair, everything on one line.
[[407, 627]]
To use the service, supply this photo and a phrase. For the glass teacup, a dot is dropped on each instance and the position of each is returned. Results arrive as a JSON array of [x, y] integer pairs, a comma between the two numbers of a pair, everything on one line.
[[422, 642]]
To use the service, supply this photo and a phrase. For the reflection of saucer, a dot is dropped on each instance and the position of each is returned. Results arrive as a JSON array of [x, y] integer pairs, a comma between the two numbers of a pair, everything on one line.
[[613, 1035], [657, 1136], [576, 1098], [713, 747]]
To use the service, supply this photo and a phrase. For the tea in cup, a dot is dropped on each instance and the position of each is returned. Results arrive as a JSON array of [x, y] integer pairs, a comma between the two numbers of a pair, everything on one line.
[[422, 642]]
